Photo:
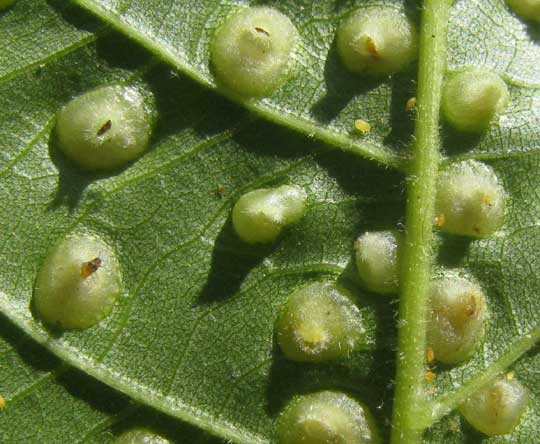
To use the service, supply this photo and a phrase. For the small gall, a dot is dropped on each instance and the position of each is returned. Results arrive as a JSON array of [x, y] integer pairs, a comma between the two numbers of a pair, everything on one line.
[[471, 200], [252, 51], [78, 283], [105, 128], [319, 323], [497, 408], [260, 216], [456, 319], [377, 41], [377, 260], [327, 418], [473, 98]]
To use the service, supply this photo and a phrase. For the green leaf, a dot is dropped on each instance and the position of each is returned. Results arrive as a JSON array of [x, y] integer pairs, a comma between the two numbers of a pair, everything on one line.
[[197, 312], [323, 100], [48, 402], [192, 334]]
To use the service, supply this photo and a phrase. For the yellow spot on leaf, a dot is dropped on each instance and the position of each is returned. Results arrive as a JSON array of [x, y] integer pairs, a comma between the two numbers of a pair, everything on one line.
[[510, 376], [362, 126], [2, 403]]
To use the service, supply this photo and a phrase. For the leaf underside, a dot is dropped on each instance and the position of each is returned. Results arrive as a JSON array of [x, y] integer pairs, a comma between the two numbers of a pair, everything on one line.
[[192, 334], [47, 402]]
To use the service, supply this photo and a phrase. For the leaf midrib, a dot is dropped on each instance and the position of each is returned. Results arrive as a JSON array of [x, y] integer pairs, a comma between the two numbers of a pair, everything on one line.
[[417, 255]]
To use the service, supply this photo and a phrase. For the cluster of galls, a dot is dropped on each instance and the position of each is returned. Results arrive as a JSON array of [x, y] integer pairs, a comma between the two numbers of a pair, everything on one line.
[[253, 54], [319, 322], [253, 51], [470, 201]]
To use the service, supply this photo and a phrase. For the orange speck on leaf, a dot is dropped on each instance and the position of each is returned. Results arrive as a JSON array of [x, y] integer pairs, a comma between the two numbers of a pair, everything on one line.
[[411, 104], [90, 267], [430, 376], [440, 220]]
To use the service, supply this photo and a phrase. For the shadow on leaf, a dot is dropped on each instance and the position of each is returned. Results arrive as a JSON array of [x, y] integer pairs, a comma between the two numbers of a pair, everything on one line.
[[232, 260], [453, 249], [456, 142], [29, 351], [341, 87]]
